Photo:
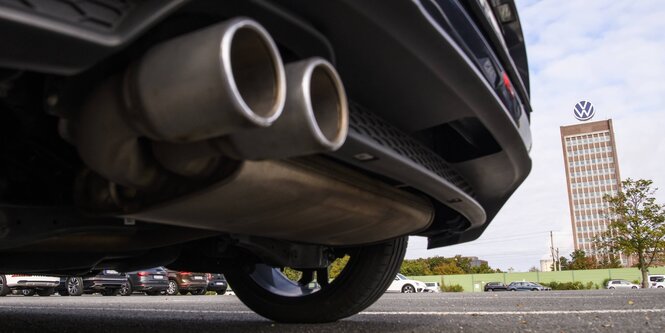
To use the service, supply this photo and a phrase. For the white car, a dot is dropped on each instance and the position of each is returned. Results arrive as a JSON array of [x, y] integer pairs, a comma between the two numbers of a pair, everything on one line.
[[621, 284], [656, 281], [28, 285], [405, 285]]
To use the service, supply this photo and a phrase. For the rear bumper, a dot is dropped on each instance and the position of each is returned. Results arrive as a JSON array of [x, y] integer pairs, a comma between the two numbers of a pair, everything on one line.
[[151, 286], [35, 284], [103, 283]]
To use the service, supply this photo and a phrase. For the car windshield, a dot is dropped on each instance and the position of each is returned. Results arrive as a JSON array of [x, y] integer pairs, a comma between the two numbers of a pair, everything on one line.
[[402, 277]]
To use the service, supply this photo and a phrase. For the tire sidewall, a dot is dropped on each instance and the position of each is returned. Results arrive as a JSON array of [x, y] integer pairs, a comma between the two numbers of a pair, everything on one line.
[[367, 275]]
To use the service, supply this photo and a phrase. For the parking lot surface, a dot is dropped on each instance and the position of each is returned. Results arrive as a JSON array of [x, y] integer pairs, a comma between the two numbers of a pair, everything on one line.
[[563, 311]]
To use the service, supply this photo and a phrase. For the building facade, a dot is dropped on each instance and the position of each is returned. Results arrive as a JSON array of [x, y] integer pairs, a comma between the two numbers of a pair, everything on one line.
[[592, 171]]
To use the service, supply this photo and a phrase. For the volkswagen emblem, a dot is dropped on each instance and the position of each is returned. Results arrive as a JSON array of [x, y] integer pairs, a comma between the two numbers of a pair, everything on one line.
[[584, 111]]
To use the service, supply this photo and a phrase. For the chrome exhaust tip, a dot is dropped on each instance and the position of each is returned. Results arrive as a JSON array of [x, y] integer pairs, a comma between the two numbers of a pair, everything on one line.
[[208, 83], [315, 117]]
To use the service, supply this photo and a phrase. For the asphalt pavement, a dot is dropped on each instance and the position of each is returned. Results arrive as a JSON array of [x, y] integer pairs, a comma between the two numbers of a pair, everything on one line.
[[562, 311]]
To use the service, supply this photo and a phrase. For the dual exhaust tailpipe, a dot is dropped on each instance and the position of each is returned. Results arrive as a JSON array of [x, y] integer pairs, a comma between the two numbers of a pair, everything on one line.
[[219, 91]]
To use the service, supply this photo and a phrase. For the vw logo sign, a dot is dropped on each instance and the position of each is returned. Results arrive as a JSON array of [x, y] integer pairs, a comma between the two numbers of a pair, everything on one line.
[[584, 111]]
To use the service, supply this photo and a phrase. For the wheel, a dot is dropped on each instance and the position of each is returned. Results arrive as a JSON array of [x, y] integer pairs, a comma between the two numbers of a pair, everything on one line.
[[126, 289], [611, 288], [660, 287], [74, 286], [633, 287], [490, 289], [534, 289], [173, 288], [222, 292], [407, 288], [110, 292], [4, 290], [46, 292], [364, 279], [28, 292], [513, 289], [184, 292]]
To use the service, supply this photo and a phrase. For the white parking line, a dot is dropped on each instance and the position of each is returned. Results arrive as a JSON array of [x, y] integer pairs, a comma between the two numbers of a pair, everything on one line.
[[502, 313], [401, 313]]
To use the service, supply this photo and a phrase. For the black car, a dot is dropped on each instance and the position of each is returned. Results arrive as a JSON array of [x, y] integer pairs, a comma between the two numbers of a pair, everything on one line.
[[153, 281], [243, 137], [217, 283], [495, 286], [106, 282]]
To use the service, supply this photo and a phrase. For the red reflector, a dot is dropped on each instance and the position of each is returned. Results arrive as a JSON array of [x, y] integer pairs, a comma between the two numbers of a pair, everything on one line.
[[143, 273], [506, 82]]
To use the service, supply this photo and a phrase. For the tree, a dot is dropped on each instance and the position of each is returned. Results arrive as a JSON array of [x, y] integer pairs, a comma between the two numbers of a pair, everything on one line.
[[579, 260], [534, 269], [637, 225]]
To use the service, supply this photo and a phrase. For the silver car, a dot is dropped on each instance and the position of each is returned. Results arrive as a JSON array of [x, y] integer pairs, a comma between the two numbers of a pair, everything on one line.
[[621, 284]]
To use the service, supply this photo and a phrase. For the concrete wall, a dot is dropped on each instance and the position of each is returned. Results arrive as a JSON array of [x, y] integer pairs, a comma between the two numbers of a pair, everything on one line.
[[476, 282]]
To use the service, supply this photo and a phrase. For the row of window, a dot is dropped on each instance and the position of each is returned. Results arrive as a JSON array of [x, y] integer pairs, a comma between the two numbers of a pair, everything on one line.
[[594, 183], [604, 137], [603, 149], [591, 162], [593, 195], [590, 217], [601, 205], [595, 172], [595, 228]]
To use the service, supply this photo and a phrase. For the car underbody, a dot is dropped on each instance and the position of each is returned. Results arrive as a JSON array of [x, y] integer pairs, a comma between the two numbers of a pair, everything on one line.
[[247, 136]]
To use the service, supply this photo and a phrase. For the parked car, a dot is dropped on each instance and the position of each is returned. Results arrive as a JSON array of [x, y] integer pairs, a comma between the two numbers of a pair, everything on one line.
[[432, 287], [527, 286], [405, 285], [621, 284], [256, 135], [106, 282], [152, 281], [495, 286], [656, 281], [217, 283], [186, 282], [28, 285]]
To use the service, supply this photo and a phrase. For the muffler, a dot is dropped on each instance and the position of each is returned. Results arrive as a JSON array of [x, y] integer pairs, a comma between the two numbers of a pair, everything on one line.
[[209, 83], [303, 200]]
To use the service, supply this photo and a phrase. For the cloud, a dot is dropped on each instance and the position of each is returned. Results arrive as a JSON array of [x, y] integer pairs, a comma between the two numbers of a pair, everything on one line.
[[611, 53]]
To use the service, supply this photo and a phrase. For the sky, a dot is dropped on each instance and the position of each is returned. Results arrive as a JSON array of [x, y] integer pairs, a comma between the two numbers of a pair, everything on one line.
[[611, 53]]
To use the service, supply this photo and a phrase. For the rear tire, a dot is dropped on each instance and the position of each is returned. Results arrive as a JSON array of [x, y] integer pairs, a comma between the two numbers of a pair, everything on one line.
[[367, 275], [222, 292], [173, 288], [74, 286], [126, 289], [4, 290]]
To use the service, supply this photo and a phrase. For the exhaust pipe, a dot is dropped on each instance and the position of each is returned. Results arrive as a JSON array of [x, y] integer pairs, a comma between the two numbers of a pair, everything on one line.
[[212, 82], [315, 120], [209, 83], [315, 117]]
